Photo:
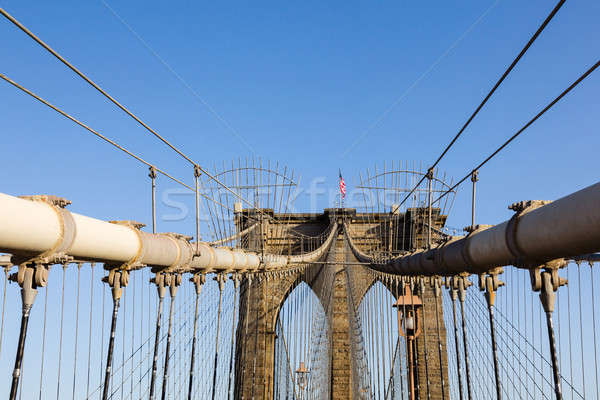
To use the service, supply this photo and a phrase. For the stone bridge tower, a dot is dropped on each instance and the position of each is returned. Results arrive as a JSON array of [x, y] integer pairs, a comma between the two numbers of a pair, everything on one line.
[[262, 298]]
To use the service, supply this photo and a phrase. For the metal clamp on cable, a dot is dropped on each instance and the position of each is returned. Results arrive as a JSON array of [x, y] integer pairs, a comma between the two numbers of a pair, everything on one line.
[[134, 262], [465, 251], [520, 208], [58, 253]]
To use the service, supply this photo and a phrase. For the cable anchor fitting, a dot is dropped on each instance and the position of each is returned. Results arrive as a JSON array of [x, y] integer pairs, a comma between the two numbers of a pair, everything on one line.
[[547, 282], [490, 283]]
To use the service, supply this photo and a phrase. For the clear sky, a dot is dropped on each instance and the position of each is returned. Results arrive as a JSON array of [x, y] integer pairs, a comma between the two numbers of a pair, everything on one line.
[[317, 86]]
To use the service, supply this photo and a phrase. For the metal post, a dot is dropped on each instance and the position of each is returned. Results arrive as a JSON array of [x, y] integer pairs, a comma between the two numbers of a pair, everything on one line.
[[29, 284], [116, 280], [429, 179], [173, 281], [462, 284], [411, 373], [474, 179], [198, 279], [197, 181], [152, 176]]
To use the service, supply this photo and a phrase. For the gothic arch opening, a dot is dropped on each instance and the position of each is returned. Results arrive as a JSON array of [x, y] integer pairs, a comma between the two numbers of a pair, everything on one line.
[[302, 346]]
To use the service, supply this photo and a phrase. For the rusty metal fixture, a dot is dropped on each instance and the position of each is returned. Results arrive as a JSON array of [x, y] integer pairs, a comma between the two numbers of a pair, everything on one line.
[[409, 306]]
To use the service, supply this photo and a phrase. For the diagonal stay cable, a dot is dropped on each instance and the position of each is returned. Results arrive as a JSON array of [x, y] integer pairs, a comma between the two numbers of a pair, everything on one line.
[[101, 136], [490, 93], [527, 125], [114, 101]]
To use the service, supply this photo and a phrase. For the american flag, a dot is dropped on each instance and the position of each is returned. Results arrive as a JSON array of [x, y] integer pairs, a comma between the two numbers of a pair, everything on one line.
[[342, 186]]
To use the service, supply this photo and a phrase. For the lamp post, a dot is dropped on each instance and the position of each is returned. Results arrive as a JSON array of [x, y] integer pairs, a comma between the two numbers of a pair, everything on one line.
[[302, 378], [409, 326]]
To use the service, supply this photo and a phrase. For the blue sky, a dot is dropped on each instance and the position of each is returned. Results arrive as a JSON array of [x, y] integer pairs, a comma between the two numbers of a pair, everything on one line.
[[300, 84]]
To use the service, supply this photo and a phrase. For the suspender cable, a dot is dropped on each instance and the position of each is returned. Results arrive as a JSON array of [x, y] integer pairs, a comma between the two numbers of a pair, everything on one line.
[[6, 269], [159, 280], [44, 346], [547, 297], [454, 296], [87, 391], [60, 341], [114, 280], [236, 285], [490, 296], [172, 283], [461, 295], [29, 287], [198, 280], [594, 330], [437, 293], [76, 329], [491, 92], [427, 381], [520, 131], [221, 280]]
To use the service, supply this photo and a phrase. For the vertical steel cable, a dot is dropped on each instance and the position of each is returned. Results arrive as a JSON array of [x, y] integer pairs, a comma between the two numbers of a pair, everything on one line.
[[593, 299], [255, 342], [123, 345], [29, 286], [142, 341], [214, 379], [111, 346], [437, 321], [495, 350], [390, 316], [381, 330], [552, 342], [169, 338], [6, 269], [458, 366], [44, 344], [581, 328], [159, 281], [87, 391], [570, 341], [102, 335], [60, 342], [426, 354], [197, 279], [462, 294], [132, 357], [232, 351], [246, 320], [76, 329]]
